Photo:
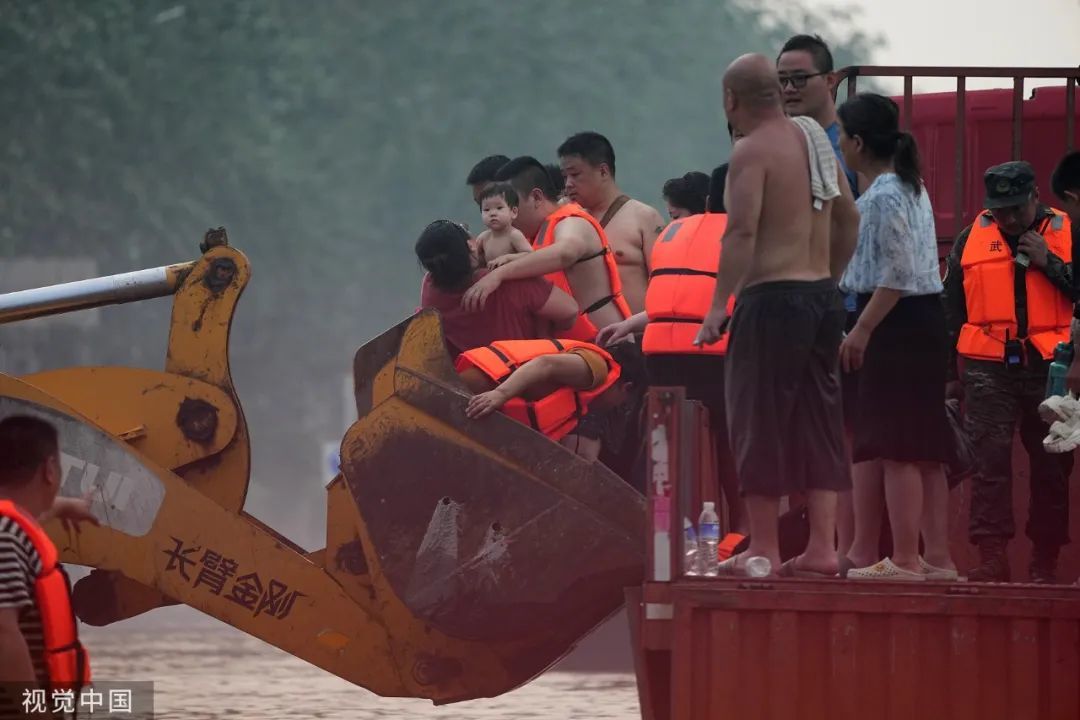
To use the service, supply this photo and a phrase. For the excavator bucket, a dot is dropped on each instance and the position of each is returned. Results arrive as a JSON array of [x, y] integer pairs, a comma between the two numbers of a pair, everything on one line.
[[485, 530], [463, 558]]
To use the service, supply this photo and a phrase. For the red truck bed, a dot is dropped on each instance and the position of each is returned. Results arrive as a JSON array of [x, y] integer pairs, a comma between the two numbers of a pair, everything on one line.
[[834, 650], [802, 649], [987, 142]]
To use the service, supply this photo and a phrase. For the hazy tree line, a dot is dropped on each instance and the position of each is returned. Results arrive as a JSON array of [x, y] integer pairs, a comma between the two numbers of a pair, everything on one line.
[[324, 136]]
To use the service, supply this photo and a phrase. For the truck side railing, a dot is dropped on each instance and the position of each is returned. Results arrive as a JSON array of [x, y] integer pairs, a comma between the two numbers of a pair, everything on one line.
[[682, 475], [961, 74]]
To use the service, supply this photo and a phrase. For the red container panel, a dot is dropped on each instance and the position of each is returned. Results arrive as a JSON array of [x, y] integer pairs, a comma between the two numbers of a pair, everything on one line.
[[987, 142], [807, 650]]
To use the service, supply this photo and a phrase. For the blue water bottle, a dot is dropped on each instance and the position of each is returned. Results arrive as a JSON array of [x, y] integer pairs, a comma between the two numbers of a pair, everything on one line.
[[1055, 379]]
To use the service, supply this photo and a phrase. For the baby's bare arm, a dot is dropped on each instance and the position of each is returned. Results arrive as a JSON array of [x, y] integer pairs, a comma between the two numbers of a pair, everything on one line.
[[518, 242], [503, 259]]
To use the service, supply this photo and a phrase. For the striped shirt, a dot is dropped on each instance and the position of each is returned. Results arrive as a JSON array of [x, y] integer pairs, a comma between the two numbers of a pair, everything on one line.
[[20, 566]]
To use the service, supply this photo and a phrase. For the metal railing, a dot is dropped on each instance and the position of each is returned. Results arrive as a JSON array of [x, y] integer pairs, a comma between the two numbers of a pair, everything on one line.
[[681, 476], [961, 74]]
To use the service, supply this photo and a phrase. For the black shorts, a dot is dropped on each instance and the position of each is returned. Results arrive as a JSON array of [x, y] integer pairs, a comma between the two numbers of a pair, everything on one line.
[[701, 375], [593, 424], [782, 381], [621, 435], [703, 378], [610, 425]]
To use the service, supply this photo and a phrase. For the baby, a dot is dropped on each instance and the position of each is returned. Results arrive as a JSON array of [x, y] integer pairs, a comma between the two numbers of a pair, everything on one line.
[[501, 242]]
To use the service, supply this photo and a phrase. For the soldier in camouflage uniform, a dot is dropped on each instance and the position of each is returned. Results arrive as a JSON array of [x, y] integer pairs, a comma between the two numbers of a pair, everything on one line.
[[1021, 247]]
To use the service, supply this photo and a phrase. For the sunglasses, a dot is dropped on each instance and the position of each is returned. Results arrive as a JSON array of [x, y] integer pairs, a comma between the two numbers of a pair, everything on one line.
[[798, 80]]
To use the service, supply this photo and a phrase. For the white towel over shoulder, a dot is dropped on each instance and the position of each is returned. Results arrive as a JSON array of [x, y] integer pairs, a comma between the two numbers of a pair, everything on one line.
[[823, 185]]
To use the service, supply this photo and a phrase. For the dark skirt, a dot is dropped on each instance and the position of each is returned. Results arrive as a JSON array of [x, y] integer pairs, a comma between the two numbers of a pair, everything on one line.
[[900, 414], [849, 384]]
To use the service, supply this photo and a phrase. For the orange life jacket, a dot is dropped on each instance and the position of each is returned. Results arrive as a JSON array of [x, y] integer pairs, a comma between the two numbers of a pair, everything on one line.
[[66, 660], [554, 415], [583, 329], [684, 262], [989, 270]]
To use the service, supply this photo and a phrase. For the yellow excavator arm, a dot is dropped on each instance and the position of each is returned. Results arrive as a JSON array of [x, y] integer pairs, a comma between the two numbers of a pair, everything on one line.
[[462, 558]]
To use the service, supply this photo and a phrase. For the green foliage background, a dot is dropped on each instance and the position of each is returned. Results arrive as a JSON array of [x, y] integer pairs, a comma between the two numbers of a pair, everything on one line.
[[324, 135]]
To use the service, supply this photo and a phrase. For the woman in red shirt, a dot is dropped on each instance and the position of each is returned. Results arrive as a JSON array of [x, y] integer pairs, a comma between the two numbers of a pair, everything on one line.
[[519, 310]]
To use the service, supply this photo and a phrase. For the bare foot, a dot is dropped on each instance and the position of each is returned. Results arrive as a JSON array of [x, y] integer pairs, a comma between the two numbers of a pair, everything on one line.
[[909, 565], [943, 562], [826, 563]]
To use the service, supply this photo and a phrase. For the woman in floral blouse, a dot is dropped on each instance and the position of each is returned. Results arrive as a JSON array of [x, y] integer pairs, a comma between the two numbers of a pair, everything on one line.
[[899, 344]]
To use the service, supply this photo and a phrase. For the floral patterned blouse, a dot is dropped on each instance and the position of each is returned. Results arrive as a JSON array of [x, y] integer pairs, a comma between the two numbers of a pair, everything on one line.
[[897, 246]]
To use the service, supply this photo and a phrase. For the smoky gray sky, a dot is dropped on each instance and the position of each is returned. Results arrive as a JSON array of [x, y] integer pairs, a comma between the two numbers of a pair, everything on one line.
[[998, 33]]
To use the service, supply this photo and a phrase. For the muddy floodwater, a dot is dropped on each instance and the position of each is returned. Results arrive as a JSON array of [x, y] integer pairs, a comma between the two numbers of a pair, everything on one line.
[[216, 672]]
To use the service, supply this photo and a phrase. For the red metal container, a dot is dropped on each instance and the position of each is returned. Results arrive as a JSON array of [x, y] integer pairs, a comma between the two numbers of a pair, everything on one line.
[[787, 649], [987, 142], [962, 133], [835, 650]]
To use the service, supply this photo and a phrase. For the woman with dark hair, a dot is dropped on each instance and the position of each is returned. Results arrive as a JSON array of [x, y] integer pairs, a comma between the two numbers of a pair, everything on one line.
[[685, 196], [522, 309], [899, 345]]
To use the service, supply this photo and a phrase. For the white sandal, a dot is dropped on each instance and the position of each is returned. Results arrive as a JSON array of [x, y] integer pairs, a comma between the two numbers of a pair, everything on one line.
[[885, 570], [936, 574]]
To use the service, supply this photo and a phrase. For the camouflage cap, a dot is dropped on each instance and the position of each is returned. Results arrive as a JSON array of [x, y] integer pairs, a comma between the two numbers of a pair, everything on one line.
[[1008, 184]]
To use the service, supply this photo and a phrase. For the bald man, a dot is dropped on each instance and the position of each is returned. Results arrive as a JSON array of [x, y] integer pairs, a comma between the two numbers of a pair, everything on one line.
[[786, 245]]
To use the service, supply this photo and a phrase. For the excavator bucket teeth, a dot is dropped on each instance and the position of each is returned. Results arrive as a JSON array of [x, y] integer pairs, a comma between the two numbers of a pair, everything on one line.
[[484, 529], [373, 367]]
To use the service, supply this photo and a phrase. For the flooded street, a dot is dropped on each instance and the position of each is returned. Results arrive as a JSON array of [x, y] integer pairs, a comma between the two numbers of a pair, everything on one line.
[[212, 672]]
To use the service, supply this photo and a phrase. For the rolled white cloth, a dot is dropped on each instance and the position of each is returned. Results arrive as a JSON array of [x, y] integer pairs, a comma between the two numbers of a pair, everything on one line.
[[823, 183]]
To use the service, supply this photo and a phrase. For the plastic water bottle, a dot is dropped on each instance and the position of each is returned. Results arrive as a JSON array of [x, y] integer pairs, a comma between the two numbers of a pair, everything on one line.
[[691, 556], [1055, 378], [709, 539], [758, 566]]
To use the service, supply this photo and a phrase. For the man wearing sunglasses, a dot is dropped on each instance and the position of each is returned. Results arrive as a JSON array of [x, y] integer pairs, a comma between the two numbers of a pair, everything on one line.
[[808, 87], [808, 84], [1008, 299]]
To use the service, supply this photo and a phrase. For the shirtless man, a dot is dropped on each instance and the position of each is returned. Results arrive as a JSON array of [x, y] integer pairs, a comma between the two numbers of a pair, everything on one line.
[[588, 164], [577, 249], [784, 251]]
